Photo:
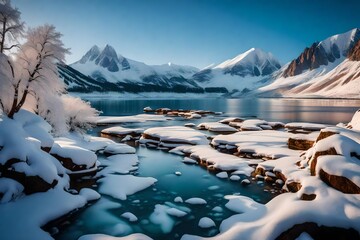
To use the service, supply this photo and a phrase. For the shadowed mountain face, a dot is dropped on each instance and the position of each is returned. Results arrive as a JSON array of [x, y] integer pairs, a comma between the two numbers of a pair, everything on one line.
[[323, 52], [354, 53]]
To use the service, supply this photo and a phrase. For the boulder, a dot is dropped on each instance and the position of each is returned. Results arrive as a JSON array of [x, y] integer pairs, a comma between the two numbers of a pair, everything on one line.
[[340, 183]]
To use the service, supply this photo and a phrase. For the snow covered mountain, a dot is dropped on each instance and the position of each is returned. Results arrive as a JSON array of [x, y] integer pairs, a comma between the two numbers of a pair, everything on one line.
[[104, 67], [323, 53], [243, 73], [330, 68]]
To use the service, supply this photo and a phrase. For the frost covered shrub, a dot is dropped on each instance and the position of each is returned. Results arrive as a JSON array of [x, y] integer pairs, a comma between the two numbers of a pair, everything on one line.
[[78, 113]]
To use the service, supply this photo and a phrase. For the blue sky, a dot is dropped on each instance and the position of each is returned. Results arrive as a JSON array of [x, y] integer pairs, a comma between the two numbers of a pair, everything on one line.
[[192, 32]]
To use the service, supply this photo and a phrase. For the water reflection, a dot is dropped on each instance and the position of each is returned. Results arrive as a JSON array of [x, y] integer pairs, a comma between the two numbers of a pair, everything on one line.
[[331, 111]]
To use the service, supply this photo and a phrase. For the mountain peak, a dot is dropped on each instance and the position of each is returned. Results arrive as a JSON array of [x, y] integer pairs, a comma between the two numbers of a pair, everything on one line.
[[253, 62], [90, 55]]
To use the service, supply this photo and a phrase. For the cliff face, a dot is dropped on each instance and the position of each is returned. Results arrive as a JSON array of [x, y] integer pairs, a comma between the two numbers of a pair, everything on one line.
[[310, 58], [354, 53], [321, 53]]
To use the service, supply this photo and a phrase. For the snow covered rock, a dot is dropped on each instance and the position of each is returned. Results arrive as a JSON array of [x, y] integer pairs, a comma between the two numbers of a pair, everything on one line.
[[302, 141], [173, 136], [305, 127], [119, 148], [216, 127], [122, 132], [206, 222], [335, 160], [9, 189], [35, 127], [74, 158], [22, 159]]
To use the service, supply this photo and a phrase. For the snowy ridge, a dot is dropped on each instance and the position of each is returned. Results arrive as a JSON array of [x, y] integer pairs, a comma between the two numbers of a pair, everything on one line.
[[342, 41], [252, 57]]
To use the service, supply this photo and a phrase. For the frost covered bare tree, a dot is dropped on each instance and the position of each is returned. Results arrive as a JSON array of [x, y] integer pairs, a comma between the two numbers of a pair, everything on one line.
[[11, 26], [78, 113], [36, 70]]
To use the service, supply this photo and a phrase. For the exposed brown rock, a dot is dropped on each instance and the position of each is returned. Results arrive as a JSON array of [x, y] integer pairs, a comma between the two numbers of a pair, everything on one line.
[[299, 144], [324, 134], [318, 232], [32, 184], [354, 53], [313, 160], [293, 186], [308, 197], [69, 164], [340, 183], [310, 58]]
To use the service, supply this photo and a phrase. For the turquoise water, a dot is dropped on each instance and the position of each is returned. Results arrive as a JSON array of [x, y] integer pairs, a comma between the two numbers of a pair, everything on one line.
[[103, 216]]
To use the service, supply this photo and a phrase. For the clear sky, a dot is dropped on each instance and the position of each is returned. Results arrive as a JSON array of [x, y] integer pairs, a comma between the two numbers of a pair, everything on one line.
[[192, 32]]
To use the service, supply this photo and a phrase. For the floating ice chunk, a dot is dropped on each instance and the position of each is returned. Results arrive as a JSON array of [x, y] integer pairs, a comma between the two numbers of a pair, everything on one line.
[[245, 182], [189, 124], [147, 109], [235, 178], [175, 212], [196, 201], [222, 175], [241, 204], [217, 209], [161, 217], [215, 187], [206, 222], [189, 160], [120, 186], [130, 216], [178, 200], [178, 173]]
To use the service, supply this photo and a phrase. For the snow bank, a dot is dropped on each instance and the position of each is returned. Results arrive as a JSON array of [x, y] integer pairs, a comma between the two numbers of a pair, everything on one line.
[[42, 207]]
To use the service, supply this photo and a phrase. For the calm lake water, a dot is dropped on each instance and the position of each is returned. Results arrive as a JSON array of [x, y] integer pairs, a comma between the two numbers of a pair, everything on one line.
[[331, 111], [104, 216]]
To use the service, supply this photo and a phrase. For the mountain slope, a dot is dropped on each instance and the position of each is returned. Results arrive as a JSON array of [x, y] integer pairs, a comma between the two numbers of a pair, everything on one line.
[[243, 73]]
